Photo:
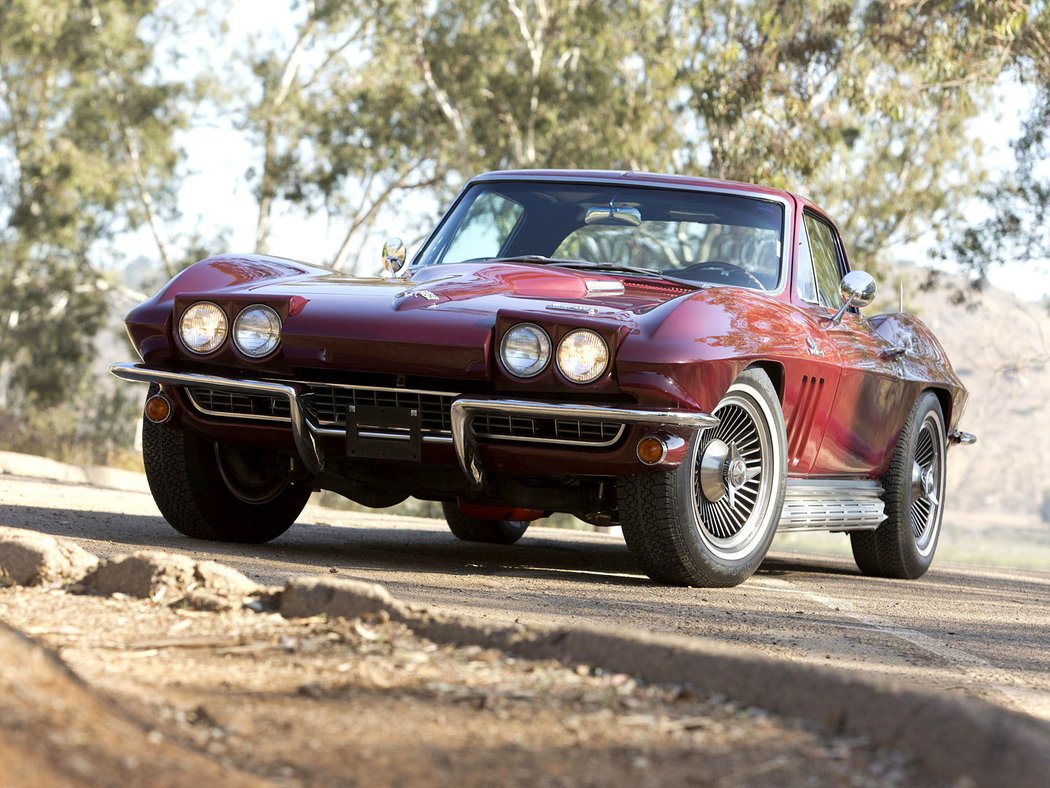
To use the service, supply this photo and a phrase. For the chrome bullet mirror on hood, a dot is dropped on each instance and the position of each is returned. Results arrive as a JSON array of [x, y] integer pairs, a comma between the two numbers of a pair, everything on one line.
[[394, 256]]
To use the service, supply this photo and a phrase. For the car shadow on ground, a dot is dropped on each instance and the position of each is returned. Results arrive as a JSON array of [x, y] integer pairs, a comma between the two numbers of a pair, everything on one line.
[[309, 547]]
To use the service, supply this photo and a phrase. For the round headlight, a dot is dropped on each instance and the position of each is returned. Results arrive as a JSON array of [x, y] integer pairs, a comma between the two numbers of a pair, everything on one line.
[[525, 350], [256, 331], [202, 327], [583, 356]]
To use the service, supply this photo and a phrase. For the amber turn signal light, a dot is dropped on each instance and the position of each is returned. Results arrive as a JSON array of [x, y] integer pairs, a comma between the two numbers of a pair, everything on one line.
[[158, 409], [651, 450]]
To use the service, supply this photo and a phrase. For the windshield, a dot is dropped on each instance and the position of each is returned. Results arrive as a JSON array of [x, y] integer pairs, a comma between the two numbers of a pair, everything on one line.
[[702, 237]]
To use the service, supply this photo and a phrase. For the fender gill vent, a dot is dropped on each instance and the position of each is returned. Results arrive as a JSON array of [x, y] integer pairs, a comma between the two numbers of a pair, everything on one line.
[[802, 419]]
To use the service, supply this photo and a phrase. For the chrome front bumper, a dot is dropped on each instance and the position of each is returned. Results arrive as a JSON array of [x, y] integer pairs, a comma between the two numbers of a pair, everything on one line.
[[305, 429]]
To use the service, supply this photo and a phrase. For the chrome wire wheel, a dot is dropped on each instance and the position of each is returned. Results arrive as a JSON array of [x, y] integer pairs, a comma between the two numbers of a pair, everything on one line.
[[927, 482], [710, 520], [913, 494], [733, 473]]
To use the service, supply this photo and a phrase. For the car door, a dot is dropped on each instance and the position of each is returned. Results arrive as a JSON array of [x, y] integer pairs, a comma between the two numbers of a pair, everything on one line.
[[860, 429]]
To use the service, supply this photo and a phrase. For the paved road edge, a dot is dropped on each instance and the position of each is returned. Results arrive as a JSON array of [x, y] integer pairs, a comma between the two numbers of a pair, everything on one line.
[[31, 466]]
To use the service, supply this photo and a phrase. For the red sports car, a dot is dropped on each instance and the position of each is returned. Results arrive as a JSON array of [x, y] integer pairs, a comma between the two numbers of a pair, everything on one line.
[[683, 357]]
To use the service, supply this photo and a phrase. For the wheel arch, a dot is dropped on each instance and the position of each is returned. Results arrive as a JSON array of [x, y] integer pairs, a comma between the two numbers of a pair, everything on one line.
[[944, 397], [775, 371]]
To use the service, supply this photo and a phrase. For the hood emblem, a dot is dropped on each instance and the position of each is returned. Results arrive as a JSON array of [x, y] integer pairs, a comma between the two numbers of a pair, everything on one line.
[[429, 295], [581, 308], [813, 349]]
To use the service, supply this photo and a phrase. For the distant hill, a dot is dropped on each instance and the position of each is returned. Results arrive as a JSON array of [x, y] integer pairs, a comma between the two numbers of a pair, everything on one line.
[[1001, 350]]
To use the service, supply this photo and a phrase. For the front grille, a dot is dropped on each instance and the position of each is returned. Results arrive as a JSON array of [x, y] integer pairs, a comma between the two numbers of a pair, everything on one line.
[[330, 405], [258, 406], [498, 425]]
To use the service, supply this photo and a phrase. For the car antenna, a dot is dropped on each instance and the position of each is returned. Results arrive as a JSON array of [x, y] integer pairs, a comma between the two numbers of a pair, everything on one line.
[[900, 293]]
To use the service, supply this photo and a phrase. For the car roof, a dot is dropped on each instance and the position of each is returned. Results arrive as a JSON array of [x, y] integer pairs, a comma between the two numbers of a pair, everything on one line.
[[643, 178]]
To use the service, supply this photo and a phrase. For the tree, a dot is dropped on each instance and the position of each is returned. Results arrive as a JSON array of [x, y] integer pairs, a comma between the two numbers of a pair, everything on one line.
[[1017, 227], [85, 151], [866, 107]]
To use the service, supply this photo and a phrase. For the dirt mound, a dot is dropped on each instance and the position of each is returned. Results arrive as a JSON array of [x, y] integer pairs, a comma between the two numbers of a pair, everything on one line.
[[168, 578], [28, 558], [55, 731]]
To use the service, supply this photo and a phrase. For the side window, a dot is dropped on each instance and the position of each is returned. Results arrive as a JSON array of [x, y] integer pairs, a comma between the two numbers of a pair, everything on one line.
[[488, 223], [826, 265], [804, 281]]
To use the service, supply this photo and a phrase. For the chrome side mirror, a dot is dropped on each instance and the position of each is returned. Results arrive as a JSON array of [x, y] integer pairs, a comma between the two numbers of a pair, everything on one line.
[[858, 289], [393, 256]]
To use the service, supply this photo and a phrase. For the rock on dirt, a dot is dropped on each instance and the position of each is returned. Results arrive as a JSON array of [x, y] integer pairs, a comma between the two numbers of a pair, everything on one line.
[[28, 558], [169, 578], [311, 596]]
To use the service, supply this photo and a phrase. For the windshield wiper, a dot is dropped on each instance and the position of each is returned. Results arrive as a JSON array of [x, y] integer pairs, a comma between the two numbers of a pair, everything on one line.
[[597, 265], [604, 266]]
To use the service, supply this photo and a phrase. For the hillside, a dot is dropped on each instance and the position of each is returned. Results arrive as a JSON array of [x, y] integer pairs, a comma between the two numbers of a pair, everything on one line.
[[1001, 350]]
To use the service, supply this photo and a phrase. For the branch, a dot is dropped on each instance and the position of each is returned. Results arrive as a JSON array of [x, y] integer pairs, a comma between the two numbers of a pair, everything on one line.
[[288, 73], [444, 102], [131, 153], [365, 216]]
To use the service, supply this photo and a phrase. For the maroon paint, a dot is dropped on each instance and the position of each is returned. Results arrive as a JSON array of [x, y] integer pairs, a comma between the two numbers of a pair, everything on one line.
[[673, 347]]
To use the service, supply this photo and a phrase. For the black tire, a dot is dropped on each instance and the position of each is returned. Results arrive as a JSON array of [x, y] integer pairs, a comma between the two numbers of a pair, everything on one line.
[[198, 487], [684, 536], [903, 546], [477, 529]]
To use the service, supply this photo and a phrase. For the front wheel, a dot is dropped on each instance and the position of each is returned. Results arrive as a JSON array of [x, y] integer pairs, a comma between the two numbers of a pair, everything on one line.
[[903, 546], [710, 521], [210, 491], [478, 529]]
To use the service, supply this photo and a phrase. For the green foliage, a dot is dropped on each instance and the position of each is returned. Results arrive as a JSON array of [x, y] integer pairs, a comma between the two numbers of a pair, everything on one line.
[[85, 151], [1017, 227]]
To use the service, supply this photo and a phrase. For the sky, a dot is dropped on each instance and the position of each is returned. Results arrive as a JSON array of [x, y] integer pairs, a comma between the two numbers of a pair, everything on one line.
[[215, 195]]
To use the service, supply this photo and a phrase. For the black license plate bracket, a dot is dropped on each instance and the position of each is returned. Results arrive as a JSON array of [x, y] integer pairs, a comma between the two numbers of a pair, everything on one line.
[[383, 433]]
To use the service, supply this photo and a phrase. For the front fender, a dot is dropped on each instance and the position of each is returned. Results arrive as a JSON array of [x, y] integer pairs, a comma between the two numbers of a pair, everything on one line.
[[690, 350]]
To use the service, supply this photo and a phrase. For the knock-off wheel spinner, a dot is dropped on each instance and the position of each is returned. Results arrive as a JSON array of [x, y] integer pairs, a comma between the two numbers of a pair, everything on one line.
[[723, 472]]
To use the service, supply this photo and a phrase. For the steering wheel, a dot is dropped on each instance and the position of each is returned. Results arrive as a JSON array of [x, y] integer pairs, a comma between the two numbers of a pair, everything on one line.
[[720, 273]]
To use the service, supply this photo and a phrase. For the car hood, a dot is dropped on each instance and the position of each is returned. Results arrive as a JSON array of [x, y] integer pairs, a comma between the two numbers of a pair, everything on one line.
[[440, 321]]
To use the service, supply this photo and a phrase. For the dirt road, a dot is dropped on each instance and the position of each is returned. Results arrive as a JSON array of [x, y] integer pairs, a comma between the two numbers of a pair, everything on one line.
[[984, 633]]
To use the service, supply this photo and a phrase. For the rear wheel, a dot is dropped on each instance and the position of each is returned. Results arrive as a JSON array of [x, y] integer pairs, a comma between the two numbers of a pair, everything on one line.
[[477, 529], [710, 521], [223, 493], [903, 546]]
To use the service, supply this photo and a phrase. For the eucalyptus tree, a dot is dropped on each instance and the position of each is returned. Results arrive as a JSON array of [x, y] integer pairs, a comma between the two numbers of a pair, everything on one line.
[[1016, 225], [86, 151]]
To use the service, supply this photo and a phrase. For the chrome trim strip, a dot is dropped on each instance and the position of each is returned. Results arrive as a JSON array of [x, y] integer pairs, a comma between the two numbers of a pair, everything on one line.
[[465, 440], [377, 388], [426, 438], [558, 441], [302, 426], [832, 505]]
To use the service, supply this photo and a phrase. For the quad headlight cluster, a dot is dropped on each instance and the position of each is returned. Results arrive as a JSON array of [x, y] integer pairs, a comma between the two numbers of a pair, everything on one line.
[[582, 355], [256, 330]]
